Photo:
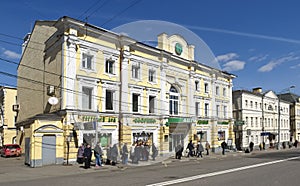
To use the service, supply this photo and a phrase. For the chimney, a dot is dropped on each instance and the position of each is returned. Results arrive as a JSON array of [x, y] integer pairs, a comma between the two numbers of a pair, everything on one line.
[[257, 90]]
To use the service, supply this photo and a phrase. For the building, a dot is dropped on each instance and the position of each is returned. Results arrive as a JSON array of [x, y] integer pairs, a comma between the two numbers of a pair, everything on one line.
[[109, 88], [8, 113], [258, 119], [294, 114]]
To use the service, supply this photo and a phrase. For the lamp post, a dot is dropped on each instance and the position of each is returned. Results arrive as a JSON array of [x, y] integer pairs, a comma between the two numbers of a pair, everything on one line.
[[279, 109]]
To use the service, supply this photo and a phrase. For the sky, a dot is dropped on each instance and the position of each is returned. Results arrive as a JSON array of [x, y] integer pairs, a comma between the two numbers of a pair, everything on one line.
[[256, 40]]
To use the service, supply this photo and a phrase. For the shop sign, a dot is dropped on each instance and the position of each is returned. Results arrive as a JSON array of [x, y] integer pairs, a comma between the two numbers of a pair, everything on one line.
[[201, 122], [98, 119], [180, 120], [223, 122], [239, 122], [144, 120]]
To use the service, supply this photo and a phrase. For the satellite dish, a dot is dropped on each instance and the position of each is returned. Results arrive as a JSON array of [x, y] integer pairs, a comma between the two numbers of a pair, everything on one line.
[[53, 100]]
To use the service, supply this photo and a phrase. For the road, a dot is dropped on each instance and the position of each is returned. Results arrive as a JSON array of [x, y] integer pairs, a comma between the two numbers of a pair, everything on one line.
[[258, 168]]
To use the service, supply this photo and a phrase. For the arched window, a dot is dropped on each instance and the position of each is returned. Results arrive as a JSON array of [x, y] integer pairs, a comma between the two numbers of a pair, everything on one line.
[[173, 101]]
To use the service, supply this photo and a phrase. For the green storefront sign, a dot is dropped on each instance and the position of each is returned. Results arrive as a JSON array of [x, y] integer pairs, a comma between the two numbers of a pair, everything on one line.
[[179, 120], [144, 120], [202, 122]]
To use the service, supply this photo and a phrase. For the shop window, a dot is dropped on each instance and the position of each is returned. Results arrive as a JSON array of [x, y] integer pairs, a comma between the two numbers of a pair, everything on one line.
[[221, 135]]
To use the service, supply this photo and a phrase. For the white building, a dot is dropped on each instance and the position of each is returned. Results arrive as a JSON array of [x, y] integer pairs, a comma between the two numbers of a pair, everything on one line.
[[257, 118]]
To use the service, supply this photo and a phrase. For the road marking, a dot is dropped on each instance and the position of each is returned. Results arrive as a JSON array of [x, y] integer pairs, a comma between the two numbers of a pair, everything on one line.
[[181, 180]]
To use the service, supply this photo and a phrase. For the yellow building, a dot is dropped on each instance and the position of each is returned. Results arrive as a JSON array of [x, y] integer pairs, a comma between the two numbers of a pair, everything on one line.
[[8, 114], [110, 88]]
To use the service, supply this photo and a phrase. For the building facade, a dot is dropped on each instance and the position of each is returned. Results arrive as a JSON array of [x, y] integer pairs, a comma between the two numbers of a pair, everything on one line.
[[8, 113], [109, 88], [258, 119]]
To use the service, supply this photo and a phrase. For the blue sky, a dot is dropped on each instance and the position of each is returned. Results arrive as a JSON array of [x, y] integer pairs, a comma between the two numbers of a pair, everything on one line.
[[257, 40]]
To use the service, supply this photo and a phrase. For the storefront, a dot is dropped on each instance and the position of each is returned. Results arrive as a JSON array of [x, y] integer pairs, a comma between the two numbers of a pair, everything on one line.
[[179, 130]]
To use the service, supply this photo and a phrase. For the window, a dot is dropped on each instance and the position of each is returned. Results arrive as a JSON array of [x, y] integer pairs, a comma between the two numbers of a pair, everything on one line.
[[151, 104], [87, 61], [218, 110], [217, 90], [151, 77], [206, 109], [109, 66], [221, 135], [197, 85], [197, 108], [109, 100], [135, 102], [251, 120], [225, 111], [256, 105], [224, 92], [87, 97], [246, 103], [136, 71], [206, 87], [251, 104], [173, 101]]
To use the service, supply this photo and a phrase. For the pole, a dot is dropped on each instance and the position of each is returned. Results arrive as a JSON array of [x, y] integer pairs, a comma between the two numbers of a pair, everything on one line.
[[278, 145]]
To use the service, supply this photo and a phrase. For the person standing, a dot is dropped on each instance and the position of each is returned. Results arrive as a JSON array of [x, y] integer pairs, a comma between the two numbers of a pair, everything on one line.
[[251, 145], [114, 154], [87, 156], [80, 157], [191, 148], [296, 143], [207, 147], [200, 149], [154, 151], [179, 150], [98, 153], [223, 145], [124, 154]]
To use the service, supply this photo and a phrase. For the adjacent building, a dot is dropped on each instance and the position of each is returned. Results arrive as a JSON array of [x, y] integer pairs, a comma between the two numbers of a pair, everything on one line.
[[86, 84], [258, 118], [8, 114]]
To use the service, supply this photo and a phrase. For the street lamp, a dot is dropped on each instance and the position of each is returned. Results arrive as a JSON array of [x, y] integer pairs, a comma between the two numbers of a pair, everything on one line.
[[279, 109]]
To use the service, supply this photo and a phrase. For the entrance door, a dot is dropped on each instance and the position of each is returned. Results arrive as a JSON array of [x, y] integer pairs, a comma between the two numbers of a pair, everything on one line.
[[27, 151], [49, 150], [175, 139]]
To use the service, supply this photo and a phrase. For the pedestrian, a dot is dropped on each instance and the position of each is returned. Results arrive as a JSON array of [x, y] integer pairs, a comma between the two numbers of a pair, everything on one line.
[[87, 156], [80, 157], [251, 145], [178, 151], [108, 155], [260, 146], [114, 154], [154, 151], [124, 154], [98, 155], [296, 143], [190, 147], [223, 145], [207, 147], [200, 149], [132, 152]]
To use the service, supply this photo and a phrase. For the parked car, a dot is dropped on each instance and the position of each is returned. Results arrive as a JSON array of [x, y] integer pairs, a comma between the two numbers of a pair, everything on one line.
[[11, 150]]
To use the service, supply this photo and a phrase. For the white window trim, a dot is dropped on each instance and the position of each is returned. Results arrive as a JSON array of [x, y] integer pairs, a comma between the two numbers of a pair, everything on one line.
[[93, 63], [109, 56], [90, 83], [155, 76]]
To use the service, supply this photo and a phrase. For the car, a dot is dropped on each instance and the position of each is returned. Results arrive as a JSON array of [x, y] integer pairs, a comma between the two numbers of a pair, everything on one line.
[[11, 150]]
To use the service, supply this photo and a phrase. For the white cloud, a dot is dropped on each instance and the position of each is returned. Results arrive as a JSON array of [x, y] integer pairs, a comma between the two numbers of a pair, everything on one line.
[[11, 54], [258, 58], [276, 62], [295, 66], [226, 57], [234, 65]]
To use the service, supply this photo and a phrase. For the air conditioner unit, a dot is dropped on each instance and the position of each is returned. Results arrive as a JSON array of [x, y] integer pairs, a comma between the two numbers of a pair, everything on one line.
[[50, 90], [16, 108]]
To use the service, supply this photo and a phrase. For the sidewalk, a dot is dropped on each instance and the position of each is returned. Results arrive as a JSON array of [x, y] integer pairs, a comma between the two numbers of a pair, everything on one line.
[[18, 171]]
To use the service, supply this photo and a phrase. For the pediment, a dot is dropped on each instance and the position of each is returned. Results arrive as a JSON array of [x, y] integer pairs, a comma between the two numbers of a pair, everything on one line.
[[50, 128]]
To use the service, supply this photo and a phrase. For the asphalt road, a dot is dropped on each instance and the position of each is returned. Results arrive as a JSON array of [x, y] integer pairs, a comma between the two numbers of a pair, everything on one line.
[[258, 168]]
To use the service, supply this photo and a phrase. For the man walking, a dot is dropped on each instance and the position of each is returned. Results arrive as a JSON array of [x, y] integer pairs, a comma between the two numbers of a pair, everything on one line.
[[207, 147], [223, 145], [124, 154], [98, 153], [191, 148], [87, 156]]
